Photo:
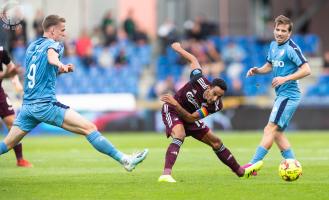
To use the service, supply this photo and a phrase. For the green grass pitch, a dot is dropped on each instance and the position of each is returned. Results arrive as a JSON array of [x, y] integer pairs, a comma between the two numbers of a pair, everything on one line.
[[67, 167]]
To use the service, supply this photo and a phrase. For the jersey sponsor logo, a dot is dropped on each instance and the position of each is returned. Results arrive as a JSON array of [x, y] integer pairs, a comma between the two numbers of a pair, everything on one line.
[[277, 63], [191, 99], [202, 83]]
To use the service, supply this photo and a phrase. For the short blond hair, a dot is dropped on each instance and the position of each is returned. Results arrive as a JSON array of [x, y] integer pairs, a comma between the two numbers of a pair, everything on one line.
[[281, 19], [52, 20]]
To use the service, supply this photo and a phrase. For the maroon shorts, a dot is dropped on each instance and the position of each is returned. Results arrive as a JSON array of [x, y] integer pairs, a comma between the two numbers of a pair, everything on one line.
[[6, 108], [171, 118]]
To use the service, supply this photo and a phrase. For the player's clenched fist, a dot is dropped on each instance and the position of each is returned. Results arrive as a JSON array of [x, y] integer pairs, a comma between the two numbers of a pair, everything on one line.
[[176, 45], [252, 71], [167, 98]]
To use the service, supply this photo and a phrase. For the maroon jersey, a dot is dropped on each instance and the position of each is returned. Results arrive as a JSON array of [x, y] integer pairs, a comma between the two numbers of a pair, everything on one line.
[[190, 96], [5, 59]]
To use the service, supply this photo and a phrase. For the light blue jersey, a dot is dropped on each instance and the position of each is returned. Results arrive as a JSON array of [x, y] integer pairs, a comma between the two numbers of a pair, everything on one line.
[[40, 76], [286, 59]]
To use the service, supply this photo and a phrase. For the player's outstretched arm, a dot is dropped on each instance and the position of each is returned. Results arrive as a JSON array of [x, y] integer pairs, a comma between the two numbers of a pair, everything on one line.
[[266, 68], [191, 58], [54, 60], [11, 71], [188, 117]]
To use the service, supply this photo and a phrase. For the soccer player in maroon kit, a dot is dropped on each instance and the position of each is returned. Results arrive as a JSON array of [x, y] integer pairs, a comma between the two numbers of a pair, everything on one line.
[[181, 115], [7, 112]]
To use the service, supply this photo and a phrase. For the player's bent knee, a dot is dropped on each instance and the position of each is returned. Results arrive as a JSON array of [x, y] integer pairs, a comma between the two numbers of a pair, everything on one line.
[[216, 144], [90, 127], [269, 129]]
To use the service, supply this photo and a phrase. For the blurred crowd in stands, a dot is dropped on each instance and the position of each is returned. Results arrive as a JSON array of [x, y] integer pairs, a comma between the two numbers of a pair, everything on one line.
[[111, 57]]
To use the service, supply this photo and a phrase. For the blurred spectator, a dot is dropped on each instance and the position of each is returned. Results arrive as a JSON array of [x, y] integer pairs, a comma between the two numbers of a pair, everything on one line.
[[200, 29], [267, 33], [121, 59], [234, 71], [129, 25], [110, 35], [105, 58], [96, 36], [18, 34], [140, 36], [70, 54], [233, 56], [84, 48], [232, 52], [83, 43], [167, 34], [37, 24], [107, 21], [193, 30], [4, 35], [208, 57]]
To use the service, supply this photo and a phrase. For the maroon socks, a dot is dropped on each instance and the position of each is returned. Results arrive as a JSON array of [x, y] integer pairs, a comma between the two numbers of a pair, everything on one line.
[[171, 155], [18, 151], [228, 159]]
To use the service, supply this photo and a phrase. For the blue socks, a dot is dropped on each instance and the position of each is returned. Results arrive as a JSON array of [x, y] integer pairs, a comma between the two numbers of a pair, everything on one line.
[[3, 148], [259, 155], [100, 143], [288, 154]]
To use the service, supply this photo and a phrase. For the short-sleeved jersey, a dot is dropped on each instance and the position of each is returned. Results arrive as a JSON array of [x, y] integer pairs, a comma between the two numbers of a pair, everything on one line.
[[286, 58], [40, 76], [190, 96], [4, 59]]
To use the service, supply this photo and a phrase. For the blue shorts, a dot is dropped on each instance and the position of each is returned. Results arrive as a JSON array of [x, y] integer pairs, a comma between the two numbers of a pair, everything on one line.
[[33, 114], [283, 110]]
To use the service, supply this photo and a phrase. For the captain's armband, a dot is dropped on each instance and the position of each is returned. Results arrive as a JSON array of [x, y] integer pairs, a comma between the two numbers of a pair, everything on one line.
[[203, 112]]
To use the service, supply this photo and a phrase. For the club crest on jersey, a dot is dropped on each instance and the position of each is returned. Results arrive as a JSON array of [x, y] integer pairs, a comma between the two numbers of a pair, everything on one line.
[[281, 53], [194, 91], [191, 99]]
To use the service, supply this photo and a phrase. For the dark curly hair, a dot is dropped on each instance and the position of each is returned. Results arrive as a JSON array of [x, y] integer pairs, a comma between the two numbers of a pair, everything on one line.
[[220, 83]]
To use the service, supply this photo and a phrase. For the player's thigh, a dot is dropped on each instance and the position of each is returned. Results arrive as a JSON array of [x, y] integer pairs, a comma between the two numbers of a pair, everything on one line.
[[178, 131], [75, 123], [14, 136], [9, 120], [174, 125]]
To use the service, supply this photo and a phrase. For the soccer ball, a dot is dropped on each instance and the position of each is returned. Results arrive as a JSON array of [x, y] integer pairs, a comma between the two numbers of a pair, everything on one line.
[[290, 169]]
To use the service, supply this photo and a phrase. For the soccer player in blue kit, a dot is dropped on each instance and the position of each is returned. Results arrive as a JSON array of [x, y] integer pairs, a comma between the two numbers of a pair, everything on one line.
[[289, 65], [42, 62]]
